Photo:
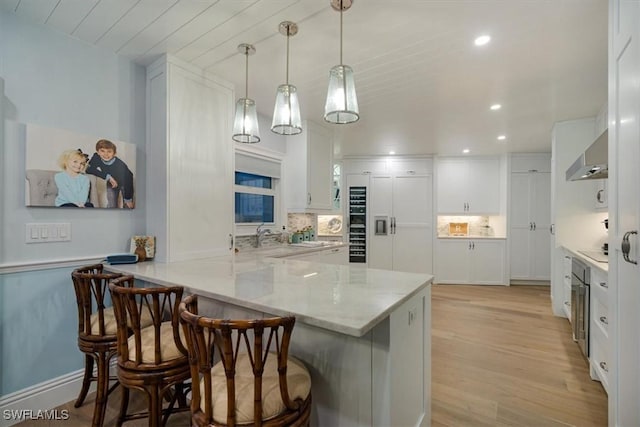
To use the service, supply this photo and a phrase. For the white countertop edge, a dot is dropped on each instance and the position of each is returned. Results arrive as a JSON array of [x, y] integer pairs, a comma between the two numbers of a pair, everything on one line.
[[357, 332], [603, 266], [472, 237]]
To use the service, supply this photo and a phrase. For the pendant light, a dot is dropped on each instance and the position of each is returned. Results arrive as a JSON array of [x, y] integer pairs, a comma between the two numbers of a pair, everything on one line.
[[245, 124], [286, 113], [342, 105]]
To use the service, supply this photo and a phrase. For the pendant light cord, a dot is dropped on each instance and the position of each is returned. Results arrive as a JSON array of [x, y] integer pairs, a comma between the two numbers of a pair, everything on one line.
[[287, 74], [341, 8], [246, 73]]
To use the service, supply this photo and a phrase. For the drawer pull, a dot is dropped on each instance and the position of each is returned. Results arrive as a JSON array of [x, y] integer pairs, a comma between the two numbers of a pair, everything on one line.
[[603, 365], [604, 285], [567, 303], [603, 320]]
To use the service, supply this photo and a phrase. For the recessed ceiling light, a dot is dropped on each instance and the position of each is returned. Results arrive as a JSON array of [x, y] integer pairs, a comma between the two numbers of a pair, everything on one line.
[[496, 107], [502, 138], [482, 40], [392, 152], [466, 151]]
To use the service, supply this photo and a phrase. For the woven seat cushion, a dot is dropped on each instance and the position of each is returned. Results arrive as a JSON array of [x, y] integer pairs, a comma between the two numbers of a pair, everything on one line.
[[298, 381], [168, 349], [110, 321]]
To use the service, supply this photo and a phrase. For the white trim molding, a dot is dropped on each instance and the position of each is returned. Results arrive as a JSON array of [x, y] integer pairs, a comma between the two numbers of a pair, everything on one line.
[[41, 397], [19, 267]]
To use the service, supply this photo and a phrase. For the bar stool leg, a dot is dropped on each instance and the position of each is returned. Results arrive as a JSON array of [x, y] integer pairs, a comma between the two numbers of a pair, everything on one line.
[[86, 381], [102, 390], [155, 406], [124, 406]]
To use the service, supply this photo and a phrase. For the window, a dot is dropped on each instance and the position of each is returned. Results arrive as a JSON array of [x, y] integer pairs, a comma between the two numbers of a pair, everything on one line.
[[255, 203], [256, 189]]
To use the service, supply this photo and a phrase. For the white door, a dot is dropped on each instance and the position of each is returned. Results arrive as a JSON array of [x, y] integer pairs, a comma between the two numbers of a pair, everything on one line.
[[483, 186], [541, 216], [521, 226], [412, 238], [452, 186], [452, 261], [380, 207], [624, 211], [487, 262]]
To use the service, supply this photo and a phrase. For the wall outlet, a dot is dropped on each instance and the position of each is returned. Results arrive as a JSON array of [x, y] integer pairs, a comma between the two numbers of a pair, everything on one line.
[[49, 232]]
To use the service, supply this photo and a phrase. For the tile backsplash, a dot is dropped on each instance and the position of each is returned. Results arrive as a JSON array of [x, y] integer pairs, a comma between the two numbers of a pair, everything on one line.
[[298, 221], [479, 226]]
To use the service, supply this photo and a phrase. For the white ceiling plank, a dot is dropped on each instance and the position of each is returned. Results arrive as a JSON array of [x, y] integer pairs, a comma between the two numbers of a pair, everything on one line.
[[201, 24], [36, 10], [136, 20], [9, 5], [103, 16], [165, 25], [69, 14]]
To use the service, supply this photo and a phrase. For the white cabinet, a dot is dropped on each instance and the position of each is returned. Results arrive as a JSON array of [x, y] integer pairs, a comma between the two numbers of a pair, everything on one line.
[[529, 234], [566, 284], [397, 165], [309, 169], [405, 204], [468, 186], [189, 161], [470, 261], [601, 197], [599, 328]]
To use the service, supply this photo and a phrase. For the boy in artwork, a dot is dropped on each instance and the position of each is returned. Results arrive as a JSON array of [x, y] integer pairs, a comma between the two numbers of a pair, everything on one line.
[[114, 171]]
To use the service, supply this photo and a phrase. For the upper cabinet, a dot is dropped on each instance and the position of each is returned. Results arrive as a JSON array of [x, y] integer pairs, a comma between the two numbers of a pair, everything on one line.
[[189, 160], [468, 186], [309, 169]]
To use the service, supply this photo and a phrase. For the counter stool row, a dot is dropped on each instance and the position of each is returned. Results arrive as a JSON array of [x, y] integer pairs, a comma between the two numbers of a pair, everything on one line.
[[238, 372]]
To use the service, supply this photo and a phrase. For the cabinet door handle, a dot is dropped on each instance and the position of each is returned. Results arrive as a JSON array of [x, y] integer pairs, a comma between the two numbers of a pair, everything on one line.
[[230, 241], [308, 199], [551, 231], [625, 247], [567, 303], [599, 197], [603, 365], [604, 285], [530, 226], [473, 245], [534, 226], [469, 245], [603, 320]]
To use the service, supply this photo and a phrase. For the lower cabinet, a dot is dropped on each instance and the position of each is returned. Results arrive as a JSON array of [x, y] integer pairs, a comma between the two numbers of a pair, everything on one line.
[[471, 261], [327, 256], [599, 328], [566, 285]]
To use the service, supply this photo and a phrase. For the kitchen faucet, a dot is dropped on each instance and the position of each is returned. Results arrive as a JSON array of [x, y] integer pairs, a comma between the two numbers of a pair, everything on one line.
[[260, 232]]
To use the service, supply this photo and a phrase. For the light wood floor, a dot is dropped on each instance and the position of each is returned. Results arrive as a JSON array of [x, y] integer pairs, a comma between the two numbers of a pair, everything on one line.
[[500, 358]]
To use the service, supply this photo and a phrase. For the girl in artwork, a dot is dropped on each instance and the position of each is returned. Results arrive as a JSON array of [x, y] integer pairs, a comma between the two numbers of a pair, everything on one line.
[[73, 185]]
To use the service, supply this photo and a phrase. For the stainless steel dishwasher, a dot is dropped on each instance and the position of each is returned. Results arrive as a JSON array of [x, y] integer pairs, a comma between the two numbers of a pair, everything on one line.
[[580, 279]]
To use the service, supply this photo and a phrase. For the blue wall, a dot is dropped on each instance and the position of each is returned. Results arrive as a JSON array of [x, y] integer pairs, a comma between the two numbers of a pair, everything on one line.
[[53, 80]]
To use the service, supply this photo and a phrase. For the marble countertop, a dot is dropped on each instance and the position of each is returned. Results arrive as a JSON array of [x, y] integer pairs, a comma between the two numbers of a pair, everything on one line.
[[345, 299], [473, 237], [604, 266], [279, 251]]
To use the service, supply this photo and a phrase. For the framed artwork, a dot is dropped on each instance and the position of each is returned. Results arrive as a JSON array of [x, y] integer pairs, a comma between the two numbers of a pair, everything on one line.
[[65, 169], [148, 243]]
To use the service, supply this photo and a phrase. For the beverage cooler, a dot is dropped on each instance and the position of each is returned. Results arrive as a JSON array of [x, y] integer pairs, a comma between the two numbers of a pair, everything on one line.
[[357, 224]]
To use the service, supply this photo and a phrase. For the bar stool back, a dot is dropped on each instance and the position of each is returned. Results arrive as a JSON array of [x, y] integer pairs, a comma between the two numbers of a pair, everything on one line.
[[96, 334], [152, 359], [255, 381]]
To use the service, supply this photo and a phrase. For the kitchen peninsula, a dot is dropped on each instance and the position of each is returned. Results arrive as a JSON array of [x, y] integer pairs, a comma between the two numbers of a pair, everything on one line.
[[365, 334]]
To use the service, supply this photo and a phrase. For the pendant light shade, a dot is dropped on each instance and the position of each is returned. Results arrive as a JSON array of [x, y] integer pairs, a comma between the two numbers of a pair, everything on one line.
[[342, 104], [245, 124], [286, 113]]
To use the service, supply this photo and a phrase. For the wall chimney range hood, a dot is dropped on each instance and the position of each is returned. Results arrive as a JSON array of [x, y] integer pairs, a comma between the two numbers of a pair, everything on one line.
[[592, 164]]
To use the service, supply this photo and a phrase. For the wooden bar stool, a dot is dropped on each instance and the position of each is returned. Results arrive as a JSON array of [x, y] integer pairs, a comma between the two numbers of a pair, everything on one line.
[[255, 382], [96, 334], [151, 359]]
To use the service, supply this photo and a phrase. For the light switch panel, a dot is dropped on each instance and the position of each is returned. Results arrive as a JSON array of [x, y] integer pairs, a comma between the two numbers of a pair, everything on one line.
[[47, 232]]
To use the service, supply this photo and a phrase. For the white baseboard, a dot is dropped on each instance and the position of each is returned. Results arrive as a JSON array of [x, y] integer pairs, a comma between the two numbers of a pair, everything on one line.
[[44, 396]]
